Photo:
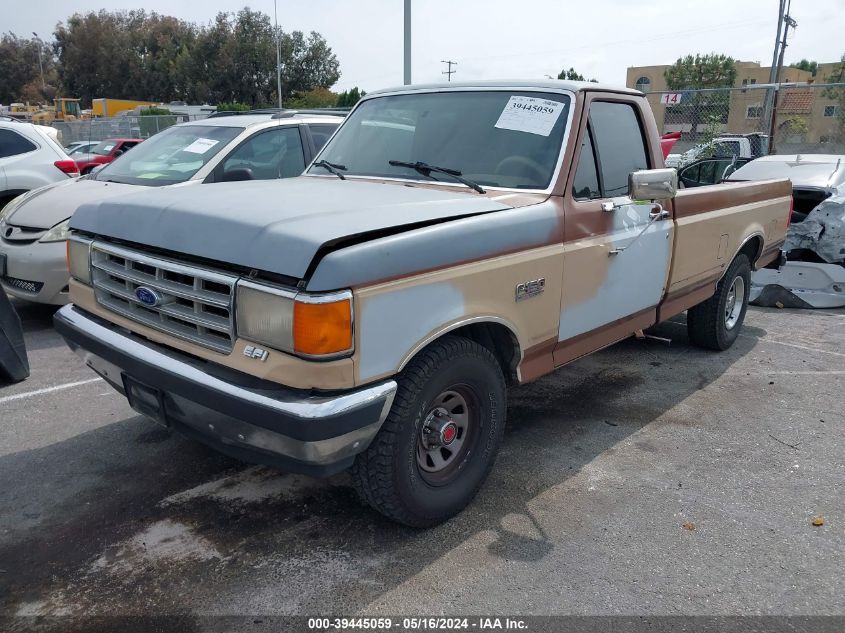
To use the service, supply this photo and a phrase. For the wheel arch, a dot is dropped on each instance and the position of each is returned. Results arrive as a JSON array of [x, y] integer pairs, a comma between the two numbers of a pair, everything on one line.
[[752, 246], [495, 333]]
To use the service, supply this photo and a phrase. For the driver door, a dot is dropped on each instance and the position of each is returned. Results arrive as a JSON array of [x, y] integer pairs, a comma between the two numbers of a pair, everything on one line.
[[617, 251]]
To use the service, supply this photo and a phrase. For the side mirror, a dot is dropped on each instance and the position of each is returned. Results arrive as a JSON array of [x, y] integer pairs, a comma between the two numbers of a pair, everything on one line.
[[653, 184], [237, 174]]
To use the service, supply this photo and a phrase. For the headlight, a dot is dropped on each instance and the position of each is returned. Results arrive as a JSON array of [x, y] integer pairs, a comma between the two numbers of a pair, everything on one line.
[[79, 259], [318, 326], [58, 233]]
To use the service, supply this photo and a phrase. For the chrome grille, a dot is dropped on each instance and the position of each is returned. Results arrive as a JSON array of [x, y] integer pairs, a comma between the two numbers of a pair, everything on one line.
[[193, 303]]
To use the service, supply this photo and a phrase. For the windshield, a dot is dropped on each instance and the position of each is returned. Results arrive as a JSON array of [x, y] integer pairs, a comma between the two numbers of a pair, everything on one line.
[[169, 157], [80, 149], [103, 148], [494, 138]]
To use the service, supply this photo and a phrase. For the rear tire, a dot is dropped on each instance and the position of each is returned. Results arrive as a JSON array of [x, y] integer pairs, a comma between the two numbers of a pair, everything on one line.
[[715, 323], [416, 480]]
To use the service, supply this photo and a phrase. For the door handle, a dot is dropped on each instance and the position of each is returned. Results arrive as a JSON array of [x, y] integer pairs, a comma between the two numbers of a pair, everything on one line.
[[662, 214]]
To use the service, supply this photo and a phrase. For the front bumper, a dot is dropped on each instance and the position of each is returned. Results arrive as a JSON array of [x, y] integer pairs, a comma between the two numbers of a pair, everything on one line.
[[235, 413], [35, 272]]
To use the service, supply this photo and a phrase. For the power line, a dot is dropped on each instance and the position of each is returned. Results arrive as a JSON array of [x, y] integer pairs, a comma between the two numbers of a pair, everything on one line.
[[449, 72]]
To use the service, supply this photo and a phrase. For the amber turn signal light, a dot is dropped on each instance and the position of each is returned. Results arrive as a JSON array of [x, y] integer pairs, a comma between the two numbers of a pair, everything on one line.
[[321, 329]]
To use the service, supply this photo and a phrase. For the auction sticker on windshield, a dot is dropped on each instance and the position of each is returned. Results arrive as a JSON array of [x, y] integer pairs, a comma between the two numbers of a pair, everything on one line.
[[201, 145], [529, 114]]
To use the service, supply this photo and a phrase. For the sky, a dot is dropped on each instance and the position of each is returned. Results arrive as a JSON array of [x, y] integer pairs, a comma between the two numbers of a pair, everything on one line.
[[507, 38]]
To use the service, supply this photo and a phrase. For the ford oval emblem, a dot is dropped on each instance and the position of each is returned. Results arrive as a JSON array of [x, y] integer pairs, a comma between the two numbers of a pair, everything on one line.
[[147, 296]]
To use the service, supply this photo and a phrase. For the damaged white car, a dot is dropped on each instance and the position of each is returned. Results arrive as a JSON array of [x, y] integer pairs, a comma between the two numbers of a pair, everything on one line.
[[814, 275]]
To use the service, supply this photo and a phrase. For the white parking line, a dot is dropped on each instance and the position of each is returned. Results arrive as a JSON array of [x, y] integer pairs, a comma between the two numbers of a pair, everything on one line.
[[821, 372], [804, 347], [38, 392]]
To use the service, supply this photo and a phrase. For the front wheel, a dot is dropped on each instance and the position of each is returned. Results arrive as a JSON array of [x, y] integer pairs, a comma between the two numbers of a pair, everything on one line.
[[715, 323], [440, 440]]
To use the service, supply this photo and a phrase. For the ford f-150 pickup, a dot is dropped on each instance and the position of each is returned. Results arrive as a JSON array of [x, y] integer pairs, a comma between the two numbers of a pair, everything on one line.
[[448, 241]]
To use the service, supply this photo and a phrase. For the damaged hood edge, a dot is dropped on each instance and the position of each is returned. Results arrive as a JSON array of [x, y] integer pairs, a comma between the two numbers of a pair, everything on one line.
[[274, 226]]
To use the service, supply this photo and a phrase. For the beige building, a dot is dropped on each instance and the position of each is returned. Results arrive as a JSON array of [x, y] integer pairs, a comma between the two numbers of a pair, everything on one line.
[[806, 114]]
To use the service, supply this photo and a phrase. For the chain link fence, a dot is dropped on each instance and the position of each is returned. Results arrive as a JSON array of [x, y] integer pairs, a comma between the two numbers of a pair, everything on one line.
[[790, 119], [124, 126]]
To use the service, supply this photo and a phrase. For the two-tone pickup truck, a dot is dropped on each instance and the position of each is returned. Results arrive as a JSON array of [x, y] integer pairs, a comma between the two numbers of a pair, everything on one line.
[[448, 241]]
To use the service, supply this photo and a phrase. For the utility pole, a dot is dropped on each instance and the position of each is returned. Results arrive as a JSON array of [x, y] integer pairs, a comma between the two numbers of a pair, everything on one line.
[[772, 70], [407, 77], [278, 55], [449, 72], [771, 93], [40, 63], [788, 22]]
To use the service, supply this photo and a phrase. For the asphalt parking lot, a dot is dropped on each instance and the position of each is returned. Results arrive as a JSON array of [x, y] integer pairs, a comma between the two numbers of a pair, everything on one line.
[[646, 479]]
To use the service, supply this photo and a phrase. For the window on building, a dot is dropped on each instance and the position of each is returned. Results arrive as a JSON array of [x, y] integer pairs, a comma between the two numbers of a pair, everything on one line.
[[831, 110], [748, 82], [643, 84], [754, 112]]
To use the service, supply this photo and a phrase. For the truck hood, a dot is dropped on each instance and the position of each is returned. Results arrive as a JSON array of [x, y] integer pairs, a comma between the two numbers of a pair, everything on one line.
[[47, 206], [275, 226]]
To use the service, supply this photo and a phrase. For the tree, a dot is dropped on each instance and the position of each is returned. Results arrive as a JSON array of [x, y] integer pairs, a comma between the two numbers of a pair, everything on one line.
[[20, 75], [807, 65], [349, 98], [700, 72], [148, 56], [837, 93], [315, 98], [573, 75]]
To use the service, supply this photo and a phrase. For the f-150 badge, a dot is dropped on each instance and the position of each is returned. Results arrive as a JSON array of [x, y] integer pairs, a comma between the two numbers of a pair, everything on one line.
[[529, 289]]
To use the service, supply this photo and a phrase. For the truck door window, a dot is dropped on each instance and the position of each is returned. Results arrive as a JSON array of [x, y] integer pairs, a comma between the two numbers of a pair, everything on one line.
[[619, 145], [586, 183]]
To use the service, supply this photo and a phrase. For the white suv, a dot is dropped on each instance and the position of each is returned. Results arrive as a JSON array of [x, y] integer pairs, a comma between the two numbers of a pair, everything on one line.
[[252, 146], [29, 158]]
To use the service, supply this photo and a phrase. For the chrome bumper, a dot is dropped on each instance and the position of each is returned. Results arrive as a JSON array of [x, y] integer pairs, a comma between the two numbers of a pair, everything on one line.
[[240, 415]]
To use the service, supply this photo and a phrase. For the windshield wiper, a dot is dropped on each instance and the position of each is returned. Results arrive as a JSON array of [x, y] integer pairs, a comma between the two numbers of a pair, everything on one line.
[[332, 167], [425, 169]]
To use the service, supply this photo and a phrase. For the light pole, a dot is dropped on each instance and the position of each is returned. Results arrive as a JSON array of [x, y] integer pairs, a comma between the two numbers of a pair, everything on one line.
[[407, 78], [278, 55], [40, 63]]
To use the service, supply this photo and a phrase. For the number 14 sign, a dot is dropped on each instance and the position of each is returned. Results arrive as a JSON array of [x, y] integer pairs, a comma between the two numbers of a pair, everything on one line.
[[671, 98]]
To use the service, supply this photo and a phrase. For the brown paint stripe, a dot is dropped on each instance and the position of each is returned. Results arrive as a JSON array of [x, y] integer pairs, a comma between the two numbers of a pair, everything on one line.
[[725, 195]]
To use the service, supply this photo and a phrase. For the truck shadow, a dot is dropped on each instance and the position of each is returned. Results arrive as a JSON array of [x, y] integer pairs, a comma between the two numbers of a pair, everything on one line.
[[71, 522]]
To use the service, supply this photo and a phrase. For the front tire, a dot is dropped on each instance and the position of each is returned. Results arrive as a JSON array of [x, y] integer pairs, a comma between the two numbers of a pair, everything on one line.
[[440, 439], [715, 323]]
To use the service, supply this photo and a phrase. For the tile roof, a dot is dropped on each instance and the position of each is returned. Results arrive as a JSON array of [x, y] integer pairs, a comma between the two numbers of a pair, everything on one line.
[[796, 101]]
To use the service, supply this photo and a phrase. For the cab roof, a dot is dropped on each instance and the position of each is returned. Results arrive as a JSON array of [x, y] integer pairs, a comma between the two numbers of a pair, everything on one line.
[[555, 85]]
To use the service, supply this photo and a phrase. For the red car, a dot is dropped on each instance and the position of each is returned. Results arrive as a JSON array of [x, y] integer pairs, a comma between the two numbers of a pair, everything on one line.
[[105, 152]]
